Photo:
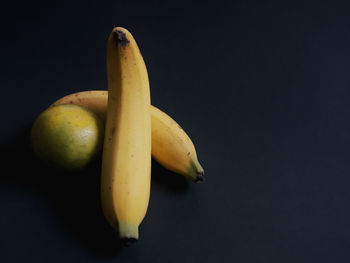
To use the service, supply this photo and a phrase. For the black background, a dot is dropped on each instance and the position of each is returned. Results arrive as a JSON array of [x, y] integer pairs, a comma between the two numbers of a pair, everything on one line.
[[261, 87]]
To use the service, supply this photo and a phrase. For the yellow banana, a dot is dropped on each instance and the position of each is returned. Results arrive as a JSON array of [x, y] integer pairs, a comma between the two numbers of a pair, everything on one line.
[[126, 159], [171, 146]]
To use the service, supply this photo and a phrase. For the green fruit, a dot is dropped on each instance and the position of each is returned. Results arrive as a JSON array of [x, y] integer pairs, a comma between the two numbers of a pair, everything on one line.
[[67, 136]]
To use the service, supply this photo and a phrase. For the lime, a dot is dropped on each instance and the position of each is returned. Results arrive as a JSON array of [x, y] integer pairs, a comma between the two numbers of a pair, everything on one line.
[[67, 136]]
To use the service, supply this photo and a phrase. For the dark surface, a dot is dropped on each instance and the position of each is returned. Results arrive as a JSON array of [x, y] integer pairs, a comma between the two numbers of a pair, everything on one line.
[[262, 88]]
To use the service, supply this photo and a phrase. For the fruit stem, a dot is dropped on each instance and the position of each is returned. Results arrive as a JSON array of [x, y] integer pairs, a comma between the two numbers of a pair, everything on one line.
[[128, 232], [199, 178], [127, 241], [120, 37], [195, 172]]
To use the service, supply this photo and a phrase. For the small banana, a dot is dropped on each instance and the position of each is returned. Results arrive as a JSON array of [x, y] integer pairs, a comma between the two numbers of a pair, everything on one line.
[[171, 146], [126, 159]]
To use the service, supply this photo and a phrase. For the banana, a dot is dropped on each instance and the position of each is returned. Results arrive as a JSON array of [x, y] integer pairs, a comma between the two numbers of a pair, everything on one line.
[[94, 100], [171, 146], [126, 159]]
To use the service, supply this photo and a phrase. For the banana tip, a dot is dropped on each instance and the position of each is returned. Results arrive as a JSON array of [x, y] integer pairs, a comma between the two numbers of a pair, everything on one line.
[[199, 178], [127, 241], [120, 37]]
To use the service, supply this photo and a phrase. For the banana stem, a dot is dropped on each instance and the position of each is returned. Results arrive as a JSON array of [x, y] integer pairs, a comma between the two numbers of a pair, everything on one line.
[[129, 232]]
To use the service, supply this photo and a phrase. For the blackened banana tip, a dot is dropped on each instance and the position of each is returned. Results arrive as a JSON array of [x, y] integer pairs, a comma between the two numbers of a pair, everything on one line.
[[127, 241], [199, 178], [120, 38]]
